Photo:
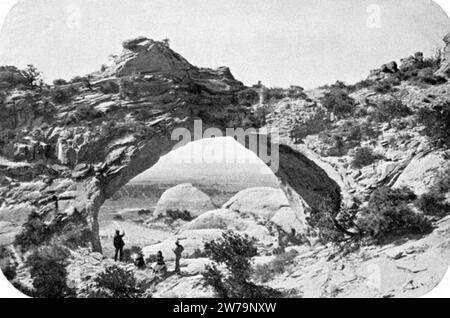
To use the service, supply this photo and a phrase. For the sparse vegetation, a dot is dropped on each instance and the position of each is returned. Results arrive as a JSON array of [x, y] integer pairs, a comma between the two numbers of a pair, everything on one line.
[[338, 101], [32, 75], [387, 110], [235, 252], [390, 215], [60, 96], [324, 222], [47, 268], [7, 263], [364, 156], [59, 82], [34, 232], [110, 87], [434, 202], [84, 112], [437, 123], [116, 282]]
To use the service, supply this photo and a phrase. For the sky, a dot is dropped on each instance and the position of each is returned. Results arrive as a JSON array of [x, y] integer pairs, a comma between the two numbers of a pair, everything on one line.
[[280, 42]]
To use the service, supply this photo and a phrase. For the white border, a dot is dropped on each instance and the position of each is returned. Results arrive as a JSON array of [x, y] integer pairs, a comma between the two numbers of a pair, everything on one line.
[[6, 289]]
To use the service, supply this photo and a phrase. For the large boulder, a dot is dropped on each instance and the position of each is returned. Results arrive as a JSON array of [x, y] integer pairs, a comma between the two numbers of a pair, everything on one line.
[[223, 220], [181, 201], [271, 204], [420, 175], [263, 201]]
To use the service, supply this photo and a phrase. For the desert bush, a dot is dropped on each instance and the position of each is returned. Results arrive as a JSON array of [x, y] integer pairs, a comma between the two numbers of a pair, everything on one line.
[[433, 204], [85, 112], [118, 217], [59, 82], [437, 123], [184, 215], [34, 232], [274, 94], [259, 116], [427, 76], [12, 76], [390, 109], [198, 253], [60, 96], [110, 87], [247, 97], [75, 236], [323, 221], [363, 84], [389, 215], [48, 271], [8, 265], [235, 252], [116, 282], [338, 101], [32, 75], [363, 157], [442, 184], [387, 85]]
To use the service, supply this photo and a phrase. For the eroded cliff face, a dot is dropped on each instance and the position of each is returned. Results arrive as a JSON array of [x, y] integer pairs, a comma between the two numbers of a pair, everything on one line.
[[66, 149]]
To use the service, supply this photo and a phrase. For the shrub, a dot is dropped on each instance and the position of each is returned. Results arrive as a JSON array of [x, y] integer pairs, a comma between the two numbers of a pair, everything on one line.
[[76, 236], [110, 87], [324, 222], [235, 252], [389, 216], [8, 265], [433, 204], [85, 112], [34, 232], [390, 109], [437, 123], [60, 96], [12, 76], [86, 80], [274, 94], [117, 282], [363, 157], [338, 101], [47, 269], [427, 76], [247, 97], [59, 82], [32, 76]]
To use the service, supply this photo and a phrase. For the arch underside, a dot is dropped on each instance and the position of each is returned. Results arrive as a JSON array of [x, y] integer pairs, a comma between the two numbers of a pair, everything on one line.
[[300, 179]]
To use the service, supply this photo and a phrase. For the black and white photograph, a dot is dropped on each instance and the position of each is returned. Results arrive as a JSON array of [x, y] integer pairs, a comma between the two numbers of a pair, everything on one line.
[[225, 149]]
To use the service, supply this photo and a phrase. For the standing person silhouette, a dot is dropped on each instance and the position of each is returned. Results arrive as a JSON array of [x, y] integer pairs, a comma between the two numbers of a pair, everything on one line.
[[178, 250], [118, 245]]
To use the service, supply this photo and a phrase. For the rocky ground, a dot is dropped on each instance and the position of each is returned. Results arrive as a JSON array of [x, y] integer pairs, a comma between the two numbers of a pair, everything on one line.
[[65, 149]]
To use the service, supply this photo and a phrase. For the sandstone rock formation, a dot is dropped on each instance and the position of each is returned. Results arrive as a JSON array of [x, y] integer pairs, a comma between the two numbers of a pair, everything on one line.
[[444, 70], [184, 200], [100, 134]]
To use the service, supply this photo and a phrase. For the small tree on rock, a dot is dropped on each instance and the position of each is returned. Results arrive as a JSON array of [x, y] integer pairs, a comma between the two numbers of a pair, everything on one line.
[[235, 252], [32, 76]]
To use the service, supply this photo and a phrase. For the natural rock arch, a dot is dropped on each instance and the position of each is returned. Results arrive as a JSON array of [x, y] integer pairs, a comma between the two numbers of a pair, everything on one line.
[[299, 178], [83, 150]]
